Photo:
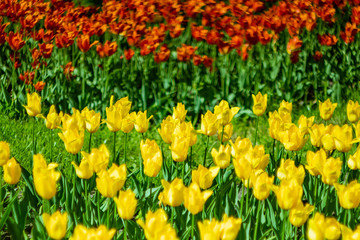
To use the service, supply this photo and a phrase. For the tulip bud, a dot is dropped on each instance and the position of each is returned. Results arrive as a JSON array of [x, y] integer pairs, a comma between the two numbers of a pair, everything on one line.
[[34, 104], [288, 194], [81, 233], [152, 157], [315, 161], [262, 184], [326, 109], [73, 140], [172, 195], [194, 199], [179, 148], [292, 138], [204, 177], [209, 124], [12, 171], [240, 147], [305, 123], [167, 128], [331, 171], [55, 224], [343, 137], [210, 229], [260, 104], [126, 204], [224, 113], [4, 153], [229, 227], [288, 170], [127, 123], [98, 158], [84, 170], [316, 131], [354, 160], [285, 107]]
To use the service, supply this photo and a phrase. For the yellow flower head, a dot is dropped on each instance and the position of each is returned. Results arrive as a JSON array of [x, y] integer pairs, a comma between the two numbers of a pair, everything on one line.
[[261, 183], [354, 160], [179, 112], [33, 108], [142, 122], [260, 104], [316, 131], [315, 161], [221, 158], [4, 152], [194, 199], [224, 113], [326, 109], [55, 224], [349, 196], [293, 138], [300, 213], [204, 177], [98, 158], [73, 140], [240, 147], [83, 233], [126, 204], [353, 111], [210, 229], [288, 194], [92, 120], [173, 193], [53, 120], [116, 112], [84, 170], [288, 170], [331, 171], [305, 123], [285, 107], [342, 137], [12, 171], [229, 227], [228, 131], [152, 157], [167, 129], [179, 147], [209, 124], [128, 122], [111, 181]]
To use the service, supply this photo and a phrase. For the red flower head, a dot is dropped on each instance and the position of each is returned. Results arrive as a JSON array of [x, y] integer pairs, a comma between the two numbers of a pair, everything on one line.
[[293, 45], [15, 41], [83, 42], [46, 49], [106, 50], [163, 55], [39, 86], [68, 70], [317, 56], [129, 54]]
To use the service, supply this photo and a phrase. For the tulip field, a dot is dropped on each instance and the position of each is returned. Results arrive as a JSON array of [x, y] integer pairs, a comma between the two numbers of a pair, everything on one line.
[[168, 119]]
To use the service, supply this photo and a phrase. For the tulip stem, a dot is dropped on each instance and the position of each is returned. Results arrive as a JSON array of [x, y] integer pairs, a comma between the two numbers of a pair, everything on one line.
[[125, 145], [98, 206], [108, 214], [33, 142], [192, 225], [256, 129], [1, 186], [206, 147], [284, 224], [90, 142], [242, 199], [125, 228], [315, 193], [51, 144], [247, 194], [114, 148], [295, 233], [257, 218], [222, 134], [345, 221], [86, 199]]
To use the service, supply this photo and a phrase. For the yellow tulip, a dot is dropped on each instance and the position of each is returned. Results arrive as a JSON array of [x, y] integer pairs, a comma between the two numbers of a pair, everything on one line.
[[228, 131], [260, 104], [209, 124], [229, 227], [349, 196], [224, 113], [326, 109], [332, 229], [111, 181], [316, 132], [167, 129], [221, 158], [354, 160], [179, 148], [92, 120], [315, 161], [4, 152], [203, 176], [142, 122], [127, 123], [342, 137], [84, 170], [331, 171], [288, 170], [45, 177], [192, 135], [327, 139], [288, 194], [83, 233], [98, 158], [116, 112], [156, 226], [179, 112], [316, 227], [74, 121], [73, 140], [275, 125], [240, 146], [353, 111], [12, 171], [305, 123], [293, 138], [285, 107], [257, 157], [53, 120], [262, 184], [126, 204], [172, 195], [243, 168], [123, 105], [55, 224], [210, 229], [33, 108], [152, 157], [348, 234], [357, 130], [300, 213], [194, 199]]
